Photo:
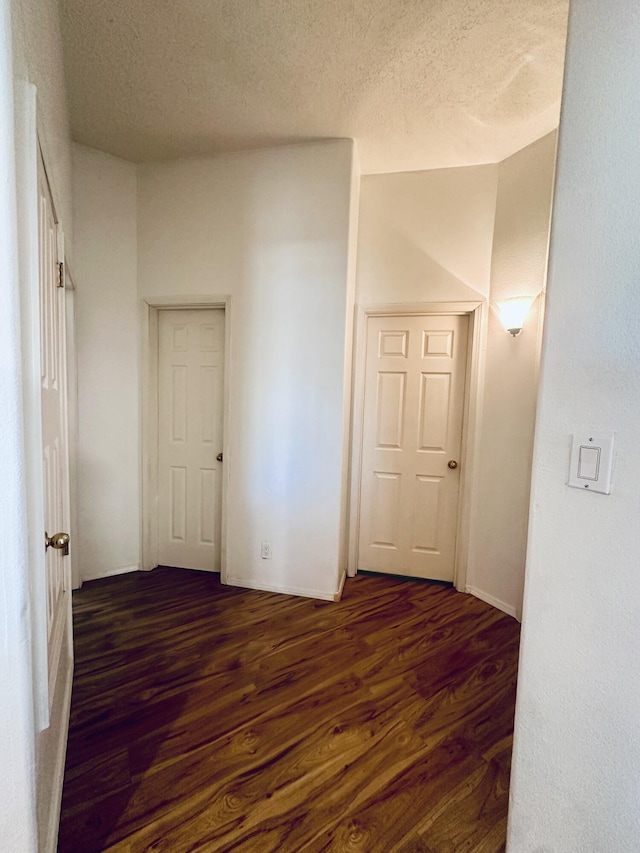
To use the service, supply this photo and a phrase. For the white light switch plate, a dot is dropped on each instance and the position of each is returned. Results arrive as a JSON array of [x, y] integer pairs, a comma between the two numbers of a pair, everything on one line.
[[591, 463]]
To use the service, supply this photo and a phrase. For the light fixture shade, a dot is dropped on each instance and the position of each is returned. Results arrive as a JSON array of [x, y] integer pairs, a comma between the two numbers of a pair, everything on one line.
[[513, 313]]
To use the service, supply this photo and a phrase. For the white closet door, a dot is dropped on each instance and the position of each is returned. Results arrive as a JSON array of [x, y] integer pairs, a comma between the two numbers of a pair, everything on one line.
[[190, 376], [54, 431], [414, 401]]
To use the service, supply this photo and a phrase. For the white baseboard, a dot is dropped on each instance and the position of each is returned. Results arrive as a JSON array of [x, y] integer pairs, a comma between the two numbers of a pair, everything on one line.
[[338, 595], [108, 573], [284, 590], [494, 602]]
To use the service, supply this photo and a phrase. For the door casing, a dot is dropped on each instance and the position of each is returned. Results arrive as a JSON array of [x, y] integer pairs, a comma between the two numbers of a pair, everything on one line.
[[477, 314], [151, 306]]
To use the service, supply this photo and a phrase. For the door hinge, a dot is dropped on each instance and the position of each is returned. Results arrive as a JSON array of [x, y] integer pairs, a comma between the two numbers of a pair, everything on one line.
[[60, 282]]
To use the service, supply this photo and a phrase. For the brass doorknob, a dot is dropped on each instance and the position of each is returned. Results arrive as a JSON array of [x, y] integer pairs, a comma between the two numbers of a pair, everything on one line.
[[452, 464], [59, 541], [219, 457]]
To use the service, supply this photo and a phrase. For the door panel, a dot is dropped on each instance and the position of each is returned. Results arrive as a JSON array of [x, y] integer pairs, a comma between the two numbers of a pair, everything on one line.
[[413, 409], [384, 510], [390, 415], [190, 375], [433, 427], [178, 401], [426, 514]]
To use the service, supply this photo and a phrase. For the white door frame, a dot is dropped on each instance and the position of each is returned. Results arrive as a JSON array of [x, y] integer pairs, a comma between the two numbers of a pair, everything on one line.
[[151, 306], [477, 313]]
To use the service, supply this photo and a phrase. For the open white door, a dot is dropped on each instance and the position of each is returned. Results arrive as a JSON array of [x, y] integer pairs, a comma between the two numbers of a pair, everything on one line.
[[54, 430], [52, 602]]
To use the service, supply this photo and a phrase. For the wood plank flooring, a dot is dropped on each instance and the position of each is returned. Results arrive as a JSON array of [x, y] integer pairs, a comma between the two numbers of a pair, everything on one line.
[[208, 718]]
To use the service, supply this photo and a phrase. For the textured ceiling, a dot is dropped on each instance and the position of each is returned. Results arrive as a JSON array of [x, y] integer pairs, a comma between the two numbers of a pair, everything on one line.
[[420, 84]]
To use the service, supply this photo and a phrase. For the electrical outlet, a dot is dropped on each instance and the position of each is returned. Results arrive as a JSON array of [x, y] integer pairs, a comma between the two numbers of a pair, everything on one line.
[[265, 550]]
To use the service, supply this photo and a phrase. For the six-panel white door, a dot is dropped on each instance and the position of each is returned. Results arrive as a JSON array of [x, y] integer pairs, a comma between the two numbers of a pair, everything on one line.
[[190, 409], [413, 410]]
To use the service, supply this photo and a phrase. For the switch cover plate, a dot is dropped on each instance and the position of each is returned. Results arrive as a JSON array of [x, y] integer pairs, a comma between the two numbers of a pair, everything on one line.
[[591, 463]]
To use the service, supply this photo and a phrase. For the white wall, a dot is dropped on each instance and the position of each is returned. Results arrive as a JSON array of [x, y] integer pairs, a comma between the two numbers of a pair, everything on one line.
[[17, 780], [575, 781], [29, 50], [464, 234], [426, 236], [271, 229], [518, 268], [38, 58], [105, 274]]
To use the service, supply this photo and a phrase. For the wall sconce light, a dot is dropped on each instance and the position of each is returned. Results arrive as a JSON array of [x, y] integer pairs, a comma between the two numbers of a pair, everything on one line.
[[513, 313]]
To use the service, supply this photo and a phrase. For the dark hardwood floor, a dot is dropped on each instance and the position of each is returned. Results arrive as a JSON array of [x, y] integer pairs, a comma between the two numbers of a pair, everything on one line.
[[209, 718]]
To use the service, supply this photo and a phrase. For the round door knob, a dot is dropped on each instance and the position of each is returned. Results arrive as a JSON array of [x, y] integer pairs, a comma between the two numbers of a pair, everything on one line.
[[59, 541], [452, 464]]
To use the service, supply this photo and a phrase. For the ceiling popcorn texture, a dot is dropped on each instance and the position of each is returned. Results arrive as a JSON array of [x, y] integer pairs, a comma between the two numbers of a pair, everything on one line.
[[420, 84]]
